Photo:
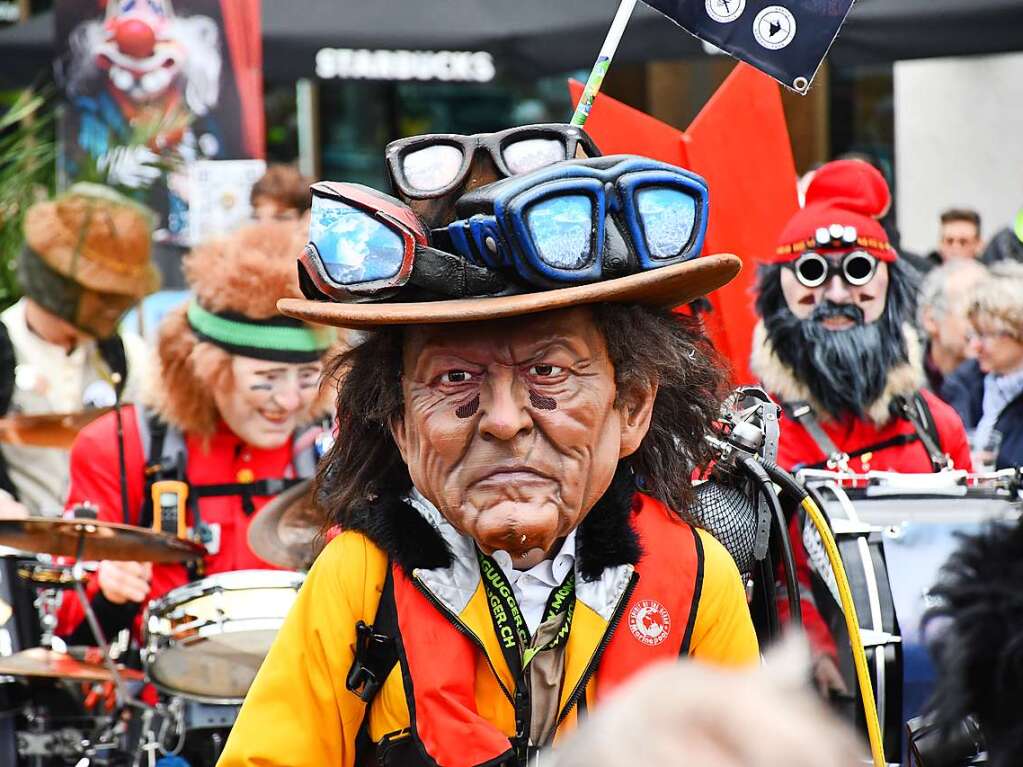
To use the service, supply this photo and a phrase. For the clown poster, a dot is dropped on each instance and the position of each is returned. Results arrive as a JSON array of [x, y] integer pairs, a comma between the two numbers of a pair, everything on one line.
[[154, 86]]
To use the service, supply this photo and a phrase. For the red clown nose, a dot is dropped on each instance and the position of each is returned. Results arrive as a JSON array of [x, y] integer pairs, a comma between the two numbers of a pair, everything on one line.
[[135, 38]]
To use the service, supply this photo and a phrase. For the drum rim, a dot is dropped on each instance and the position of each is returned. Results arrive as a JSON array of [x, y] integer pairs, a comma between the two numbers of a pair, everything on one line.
[[234, 580]]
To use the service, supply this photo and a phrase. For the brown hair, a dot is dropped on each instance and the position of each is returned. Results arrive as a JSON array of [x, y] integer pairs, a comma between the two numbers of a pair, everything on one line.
[[961, 214], [364, 461], [285, 185]]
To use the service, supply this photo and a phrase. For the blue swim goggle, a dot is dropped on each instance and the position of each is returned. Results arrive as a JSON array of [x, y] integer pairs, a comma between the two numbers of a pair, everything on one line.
[[583, 221]]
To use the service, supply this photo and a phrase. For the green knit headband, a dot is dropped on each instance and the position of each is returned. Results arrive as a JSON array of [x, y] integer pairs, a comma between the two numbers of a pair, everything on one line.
[[279, 339]]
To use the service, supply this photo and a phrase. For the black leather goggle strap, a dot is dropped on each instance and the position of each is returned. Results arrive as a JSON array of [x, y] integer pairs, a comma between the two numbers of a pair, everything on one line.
[[436, 275], [449, 275]]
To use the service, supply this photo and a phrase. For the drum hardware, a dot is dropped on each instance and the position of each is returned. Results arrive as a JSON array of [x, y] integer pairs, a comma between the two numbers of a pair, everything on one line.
[[1007, 482], [908, 535], [204, 641], [880, 630]]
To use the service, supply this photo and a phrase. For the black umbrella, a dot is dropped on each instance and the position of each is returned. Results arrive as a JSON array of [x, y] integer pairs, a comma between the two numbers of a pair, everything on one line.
[[533, 37]]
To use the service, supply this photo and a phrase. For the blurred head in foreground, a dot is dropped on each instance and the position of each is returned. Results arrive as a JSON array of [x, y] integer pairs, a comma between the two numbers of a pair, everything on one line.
[[694, 714]]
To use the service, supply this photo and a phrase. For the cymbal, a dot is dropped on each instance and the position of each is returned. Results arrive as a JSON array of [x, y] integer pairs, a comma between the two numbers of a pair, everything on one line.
[[286, 532], [40, 662], [47, 429], [102, 540]]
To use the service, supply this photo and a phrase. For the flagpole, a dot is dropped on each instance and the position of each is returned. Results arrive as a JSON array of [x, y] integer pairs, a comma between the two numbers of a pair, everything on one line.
[[607, 52]]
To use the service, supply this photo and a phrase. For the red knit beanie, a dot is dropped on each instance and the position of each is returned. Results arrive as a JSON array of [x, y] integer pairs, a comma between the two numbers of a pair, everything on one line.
[[844, 202]]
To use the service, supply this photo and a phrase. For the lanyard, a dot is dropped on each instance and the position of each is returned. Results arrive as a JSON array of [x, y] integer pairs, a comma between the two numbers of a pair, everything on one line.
[[509, 624]]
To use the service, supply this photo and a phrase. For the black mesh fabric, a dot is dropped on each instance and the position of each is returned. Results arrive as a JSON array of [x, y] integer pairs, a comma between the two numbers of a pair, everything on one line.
[[728, 514]]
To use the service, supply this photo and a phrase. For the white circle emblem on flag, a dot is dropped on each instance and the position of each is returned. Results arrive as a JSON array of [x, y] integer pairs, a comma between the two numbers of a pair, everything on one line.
[[725, 11], [649, 622], [774, 27]]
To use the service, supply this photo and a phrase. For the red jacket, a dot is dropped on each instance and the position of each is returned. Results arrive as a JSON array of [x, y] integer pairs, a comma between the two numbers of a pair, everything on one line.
[[797, 448], [224, 458]]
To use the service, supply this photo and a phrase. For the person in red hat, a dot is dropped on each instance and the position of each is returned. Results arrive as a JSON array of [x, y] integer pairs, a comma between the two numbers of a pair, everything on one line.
[[837, 349], [836, 343]]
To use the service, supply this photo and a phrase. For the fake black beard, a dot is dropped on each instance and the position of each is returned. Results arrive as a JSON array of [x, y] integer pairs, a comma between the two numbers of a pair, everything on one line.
[[846, 371]]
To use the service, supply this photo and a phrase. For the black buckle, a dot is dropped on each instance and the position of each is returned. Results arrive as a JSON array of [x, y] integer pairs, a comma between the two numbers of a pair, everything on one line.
[[369, 668]]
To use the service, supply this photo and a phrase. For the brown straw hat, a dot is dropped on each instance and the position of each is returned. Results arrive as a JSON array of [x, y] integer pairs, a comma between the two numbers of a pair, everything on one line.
[[96, 237], [667, 287]]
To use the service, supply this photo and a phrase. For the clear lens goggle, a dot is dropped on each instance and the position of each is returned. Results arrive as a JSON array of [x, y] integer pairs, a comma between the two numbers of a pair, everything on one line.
[[430, 172], [584, 220]]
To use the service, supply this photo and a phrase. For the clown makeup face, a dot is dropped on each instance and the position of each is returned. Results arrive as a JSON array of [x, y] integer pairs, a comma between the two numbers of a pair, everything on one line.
[[513, 429], [269, 400], [837, 303]]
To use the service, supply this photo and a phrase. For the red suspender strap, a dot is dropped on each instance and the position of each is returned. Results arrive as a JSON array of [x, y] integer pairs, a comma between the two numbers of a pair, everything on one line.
[[657, 623], [438, 668]]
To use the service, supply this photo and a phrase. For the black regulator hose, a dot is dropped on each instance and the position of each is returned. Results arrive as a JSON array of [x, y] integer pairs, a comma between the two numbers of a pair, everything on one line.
[[763, 481], [788, 483]]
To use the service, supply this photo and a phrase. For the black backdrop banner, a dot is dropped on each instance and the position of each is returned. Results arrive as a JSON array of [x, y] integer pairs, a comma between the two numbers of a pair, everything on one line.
[[529, 38], [787, 40]]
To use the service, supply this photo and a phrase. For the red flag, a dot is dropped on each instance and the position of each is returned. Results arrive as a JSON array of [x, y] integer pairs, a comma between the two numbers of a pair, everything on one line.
[[740, 144]]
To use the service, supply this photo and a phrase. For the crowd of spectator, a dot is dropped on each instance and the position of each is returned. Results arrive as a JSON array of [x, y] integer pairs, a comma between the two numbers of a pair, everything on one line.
[[970, 311]]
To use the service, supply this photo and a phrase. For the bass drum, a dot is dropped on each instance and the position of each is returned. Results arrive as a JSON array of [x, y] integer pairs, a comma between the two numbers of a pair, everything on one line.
[[893, 544], [205, 641]]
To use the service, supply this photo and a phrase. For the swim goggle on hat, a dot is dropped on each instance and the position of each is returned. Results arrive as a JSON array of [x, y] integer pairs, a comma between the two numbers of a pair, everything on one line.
[[570, 223], [583, 221]]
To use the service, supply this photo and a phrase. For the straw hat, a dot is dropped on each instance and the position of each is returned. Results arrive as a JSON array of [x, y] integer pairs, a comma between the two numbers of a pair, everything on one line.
[[95, 237]]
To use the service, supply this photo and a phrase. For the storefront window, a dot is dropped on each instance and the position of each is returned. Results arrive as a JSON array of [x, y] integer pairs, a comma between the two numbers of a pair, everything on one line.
[[863, 115], [358, 119]]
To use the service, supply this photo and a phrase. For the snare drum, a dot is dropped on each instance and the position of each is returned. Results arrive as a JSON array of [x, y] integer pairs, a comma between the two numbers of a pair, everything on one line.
[[893, 543], [206, 640]]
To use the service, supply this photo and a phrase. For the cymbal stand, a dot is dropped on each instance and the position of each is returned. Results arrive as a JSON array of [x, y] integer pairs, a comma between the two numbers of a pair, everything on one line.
[[46, 603], [78, 573]]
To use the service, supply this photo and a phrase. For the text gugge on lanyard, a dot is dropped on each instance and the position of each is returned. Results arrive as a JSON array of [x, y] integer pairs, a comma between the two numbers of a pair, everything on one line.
[[513, 634]]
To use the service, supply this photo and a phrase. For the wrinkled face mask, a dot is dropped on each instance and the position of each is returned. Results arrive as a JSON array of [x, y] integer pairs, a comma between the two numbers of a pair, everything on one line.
[[513, 429]]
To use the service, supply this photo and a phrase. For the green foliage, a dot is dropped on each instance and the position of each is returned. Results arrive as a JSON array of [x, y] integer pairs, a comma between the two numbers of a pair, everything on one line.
[[28, 163], [27, 173]]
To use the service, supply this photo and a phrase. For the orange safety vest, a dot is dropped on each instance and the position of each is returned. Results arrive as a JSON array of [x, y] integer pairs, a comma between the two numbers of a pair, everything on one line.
[[652, 620]]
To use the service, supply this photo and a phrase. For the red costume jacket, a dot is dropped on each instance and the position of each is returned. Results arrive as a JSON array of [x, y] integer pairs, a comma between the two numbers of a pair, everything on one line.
[[797, 448], [223, 458]]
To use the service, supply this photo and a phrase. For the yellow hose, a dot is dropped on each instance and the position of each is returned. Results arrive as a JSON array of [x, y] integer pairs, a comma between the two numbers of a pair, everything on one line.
[[853, 624]]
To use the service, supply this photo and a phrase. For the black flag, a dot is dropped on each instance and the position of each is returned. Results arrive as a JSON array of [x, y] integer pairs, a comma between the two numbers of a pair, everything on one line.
[[787, 39]]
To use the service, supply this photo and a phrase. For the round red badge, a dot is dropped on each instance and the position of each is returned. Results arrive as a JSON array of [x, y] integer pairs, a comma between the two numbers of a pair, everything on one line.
[[649, 622]]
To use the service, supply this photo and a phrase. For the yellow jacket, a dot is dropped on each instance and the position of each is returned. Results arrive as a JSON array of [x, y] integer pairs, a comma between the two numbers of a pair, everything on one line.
[[299, 712]]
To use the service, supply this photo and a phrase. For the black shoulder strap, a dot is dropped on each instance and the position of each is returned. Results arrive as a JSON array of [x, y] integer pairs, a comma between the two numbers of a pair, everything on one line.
[[154, 458], [376, 654], [7, 366], [112, 351], [916, 410], [801, 412]]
